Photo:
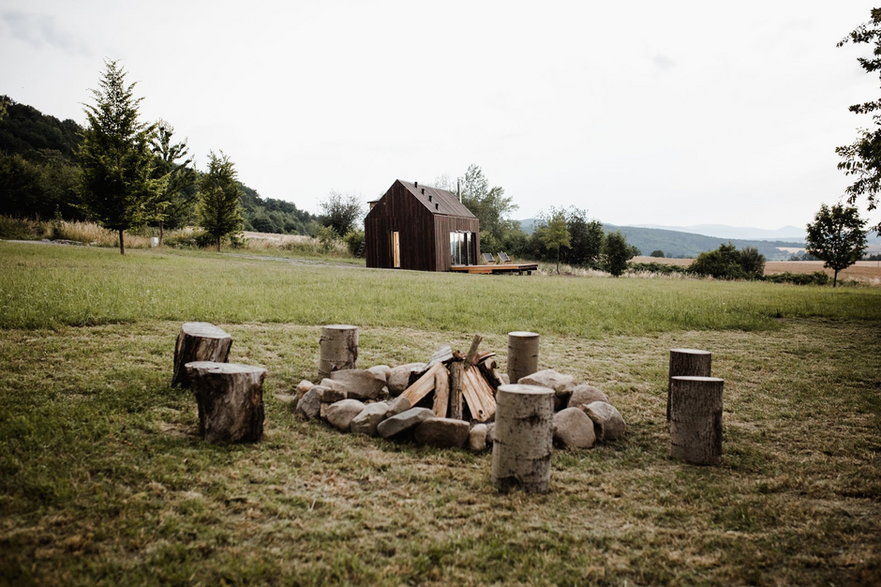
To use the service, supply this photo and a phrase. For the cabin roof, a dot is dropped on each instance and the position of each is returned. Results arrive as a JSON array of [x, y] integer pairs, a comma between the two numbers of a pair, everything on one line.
[[440, 202]]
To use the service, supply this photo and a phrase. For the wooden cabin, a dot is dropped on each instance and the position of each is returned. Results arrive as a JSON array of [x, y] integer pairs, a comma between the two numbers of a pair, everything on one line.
[[420, 227]]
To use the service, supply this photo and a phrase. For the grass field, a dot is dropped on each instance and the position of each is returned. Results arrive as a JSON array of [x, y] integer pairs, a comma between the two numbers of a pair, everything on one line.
[[103, 480]]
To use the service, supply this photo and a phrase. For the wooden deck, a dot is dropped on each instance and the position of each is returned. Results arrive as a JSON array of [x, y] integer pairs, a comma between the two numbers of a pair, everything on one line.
[[518, 268]]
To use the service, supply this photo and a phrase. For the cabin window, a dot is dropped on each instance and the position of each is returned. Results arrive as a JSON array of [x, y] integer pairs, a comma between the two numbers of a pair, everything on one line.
[[462, 248]]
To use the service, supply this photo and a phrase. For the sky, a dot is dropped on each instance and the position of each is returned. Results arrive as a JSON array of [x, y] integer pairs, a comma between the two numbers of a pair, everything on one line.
[[642, 112]]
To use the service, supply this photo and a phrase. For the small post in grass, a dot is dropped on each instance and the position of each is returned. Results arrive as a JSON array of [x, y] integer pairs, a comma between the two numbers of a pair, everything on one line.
[[339, 348], [696, 419], [198, 341], [523, 438], [688, 362], [230, 400], [522, 355]]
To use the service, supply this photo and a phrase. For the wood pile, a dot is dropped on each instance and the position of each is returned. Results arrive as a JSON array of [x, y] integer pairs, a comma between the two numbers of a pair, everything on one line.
[[453, 385]]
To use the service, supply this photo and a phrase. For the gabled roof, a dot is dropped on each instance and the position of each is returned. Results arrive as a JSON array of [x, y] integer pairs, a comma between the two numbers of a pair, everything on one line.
[[438, 201]]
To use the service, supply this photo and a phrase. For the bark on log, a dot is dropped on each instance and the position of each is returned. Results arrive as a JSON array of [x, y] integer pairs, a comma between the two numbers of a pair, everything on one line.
[[457, 372], [339, 348], [198, 341], [230, 400], [523, 437], [696, 419], [688, 362], [522, 355]]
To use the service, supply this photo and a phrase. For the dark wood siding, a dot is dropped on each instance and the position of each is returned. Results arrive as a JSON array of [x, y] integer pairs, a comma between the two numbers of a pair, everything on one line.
[[424, 236]]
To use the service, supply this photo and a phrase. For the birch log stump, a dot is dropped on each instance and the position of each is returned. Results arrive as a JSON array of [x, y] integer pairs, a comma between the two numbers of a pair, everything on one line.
[[696, 419], [523, 438], [688, 362], [198, 341], [230, 400], [522, 355], [339, 348]]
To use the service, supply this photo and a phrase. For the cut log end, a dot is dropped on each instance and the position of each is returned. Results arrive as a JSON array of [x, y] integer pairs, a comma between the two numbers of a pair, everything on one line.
[[198, 341]]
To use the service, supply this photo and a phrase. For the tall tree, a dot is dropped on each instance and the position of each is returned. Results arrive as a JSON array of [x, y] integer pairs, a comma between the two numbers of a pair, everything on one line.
[[553, 233], [490, 205], [862, 158], [220, 211], [174, 204], [586, 239], [616, 253], [341, 212], [117, 165], [837, 236]]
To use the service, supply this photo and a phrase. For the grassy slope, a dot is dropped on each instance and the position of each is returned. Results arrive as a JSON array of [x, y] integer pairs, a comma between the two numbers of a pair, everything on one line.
[[102, 478]]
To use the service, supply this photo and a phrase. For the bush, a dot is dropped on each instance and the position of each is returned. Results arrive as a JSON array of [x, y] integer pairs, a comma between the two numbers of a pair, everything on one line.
[[663, 268], [727, 262], [815, 278], [657, 253], [353, 240], [21, 229]]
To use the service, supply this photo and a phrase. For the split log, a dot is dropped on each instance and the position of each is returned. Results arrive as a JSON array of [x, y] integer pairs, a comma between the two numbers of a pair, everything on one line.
[[339, 348], [688, 362], [696, 419], [479, 395], [198, 341], [471, 357], [522, 355], [457, 372], [523, 437], [422, 386], [230, 400], [441, 393]]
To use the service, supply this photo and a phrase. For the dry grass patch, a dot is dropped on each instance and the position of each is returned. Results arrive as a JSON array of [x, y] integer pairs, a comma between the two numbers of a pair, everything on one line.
[[104, 480]]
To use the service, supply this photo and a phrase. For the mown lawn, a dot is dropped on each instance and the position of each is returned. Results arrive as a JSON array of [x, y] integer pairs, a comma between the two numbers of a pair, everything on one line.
[[102, 478]]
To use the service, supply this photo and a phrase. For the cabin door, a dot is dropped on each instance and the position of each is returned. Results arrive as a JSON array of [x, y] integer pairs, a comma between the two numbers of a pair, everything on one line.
[[396, 249]]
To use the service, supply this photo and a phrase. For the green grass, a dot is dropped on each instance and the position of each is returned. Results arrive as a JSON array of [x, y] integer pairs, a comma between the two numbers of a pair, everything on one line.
[[103, 480]]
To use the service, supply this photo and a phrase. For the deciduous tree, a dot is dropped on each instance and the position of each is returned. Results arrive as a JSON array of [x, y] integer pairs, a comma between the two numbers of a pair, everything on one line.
[[220, 211], [838, 237], [117, 166], [174, 204], [616, 252], [553, 233], [341, 212], [862, 158]]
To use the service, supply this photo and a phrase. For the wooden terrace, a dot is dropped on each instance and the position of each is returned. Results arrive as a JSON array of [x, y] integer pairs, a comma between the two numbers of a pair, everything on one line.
[[518, 268]]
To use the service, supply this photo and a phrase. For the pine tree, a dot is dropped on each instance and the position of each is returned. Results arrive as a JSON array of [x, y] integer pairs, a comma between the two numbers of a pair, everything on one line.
[[220, 210], [117, 165], [175, 203]]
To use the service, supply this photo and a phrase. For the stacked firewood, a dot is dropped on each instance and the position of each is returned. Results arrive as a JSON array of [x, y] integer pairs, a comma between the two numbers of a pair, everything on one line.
[[458, 386]]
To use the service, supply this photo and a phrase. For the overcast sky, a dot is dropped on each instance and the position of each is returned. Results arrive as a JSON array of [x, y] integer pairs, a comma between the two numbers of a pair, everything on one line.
[[642, 112]]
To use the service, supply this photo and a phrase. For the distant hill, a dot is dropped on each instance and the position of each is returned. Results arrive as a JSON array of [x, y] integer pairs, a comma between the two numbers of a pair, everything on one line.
[[786, 233], [676, 243]]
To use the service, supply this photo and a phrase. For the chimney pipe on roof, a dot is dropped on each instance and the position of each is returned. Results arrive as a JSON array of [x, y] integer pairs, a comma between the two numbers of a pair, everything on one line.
[[429, 197], [423, 191], [458, 193], [415, 184], [437, 206]]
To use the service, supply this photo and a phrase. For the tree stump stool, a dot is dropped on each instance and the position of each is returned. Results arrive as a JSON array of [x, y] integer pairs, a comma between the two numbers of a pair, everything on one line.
[[230, 400], [523, 438], [522, 355], [688, 362], [339, 348], [198, 341], [696, 419]]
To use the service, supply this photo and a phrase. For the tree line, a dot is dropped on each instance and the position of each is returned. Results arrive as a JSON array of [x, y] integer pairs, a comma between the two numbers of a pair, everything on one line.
[[49, 168]]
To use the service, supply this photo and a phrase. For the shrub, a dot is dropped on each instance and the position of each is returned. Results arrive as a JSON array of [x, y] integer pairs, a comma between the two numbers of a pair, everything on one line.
[[657, 253], [815, 278], [727, 262], [663, 268], [353, 240]]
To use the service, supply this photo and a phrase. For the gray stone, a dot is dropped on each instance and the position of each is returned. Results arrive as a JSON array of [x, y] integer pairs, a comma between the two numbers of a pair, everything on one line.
[[398, 405], [341, 414], [584, 394], [302, 387], [477, 438], [310, 404], [490, 434], [399, 377], [442, 432], [381, 371], [561, 384], [573, 429], [337, 385], [369, 418], [607, 420], [329, 395], [403, 421], [360, 383]]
